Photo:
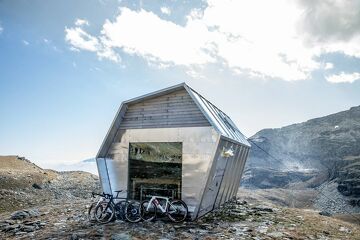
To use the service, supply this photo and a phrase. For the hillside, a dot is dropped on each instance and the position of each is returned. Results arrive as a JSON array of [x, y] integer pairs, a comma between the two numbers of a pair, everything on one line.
[[24, 184], [321, 154]]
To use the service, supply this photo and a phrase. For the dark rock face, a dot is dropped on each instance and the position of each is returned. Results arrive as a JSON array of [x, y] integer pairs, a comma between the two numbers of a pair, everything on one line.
[[316, 151]]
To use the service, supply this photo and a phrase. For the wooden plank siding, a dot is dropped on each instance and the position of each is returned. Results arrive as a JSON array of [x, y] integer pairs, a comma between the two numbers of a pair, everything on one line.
[[176, 109]]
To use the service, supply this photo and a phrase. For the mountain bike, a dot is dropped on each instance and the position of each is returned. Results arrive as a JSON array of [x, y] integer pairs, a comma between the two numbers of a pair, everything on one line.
[[176, 210]]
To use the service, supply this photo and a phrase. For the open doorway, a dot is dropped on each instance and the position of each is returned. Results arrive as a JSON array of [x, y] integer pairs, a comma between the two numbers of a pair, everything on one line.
[[155, 168]]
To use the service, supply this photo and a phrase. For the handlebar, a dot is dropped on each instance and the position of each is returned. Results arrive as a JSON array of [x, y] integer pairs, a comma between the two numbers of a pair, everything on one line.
[[106, 195]]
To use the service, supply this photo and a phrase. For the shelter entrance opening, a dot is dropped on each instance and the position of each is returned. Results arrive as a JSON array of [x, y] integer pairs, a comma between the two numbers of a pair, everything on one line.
[[155, 168]]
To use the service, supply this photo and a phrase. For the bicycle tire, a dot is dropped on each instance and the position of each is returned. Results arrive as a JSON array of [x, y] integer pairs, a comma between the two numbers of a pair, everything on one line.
[[132, 211], [91, 212], [104, 213], [147, 215], [120, 210], [177, 211]]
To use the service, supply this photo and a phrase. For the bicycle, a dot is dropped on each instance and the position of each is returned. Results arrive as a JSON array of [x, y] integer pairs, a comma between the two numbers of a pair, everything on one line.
[[107, 210], [176, 210], [91, 211]]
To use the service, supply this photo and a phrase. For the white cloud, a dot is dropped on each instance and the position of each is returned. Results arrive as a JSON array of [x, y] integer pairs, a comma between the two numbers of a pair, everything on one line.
[[1, 28], [262, 38], [344, 77], [328, 66], [25, 42], [157, 40], [81, 40], [165, 10], [80, 22]]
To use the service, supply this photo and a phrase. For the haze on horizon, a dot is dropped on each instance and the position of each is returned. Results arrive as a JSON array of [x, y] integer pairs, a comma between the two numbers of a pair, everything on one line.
[[66, 66]]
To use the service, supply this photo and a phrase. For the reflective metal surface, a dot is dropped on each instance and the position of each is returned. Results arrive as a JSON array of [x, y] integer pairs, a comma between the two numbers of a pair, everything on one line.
[[199, 146], [224, 177]]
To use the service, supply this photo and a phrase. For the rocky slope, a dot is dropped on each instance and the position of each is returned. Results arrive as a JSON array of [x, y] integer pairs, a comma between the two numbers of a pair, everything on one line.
[[23, 184], [321, 154]]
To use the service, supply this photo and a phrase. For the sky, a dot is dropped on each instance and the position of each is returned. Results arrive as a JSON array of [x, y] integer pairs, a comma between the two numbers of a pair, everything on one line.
[[65, 66]]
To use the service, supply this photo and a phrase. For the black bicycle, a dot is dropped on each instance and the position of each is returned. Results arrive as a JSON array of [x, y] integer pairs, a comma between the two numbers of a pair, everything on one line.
[[107, 210]]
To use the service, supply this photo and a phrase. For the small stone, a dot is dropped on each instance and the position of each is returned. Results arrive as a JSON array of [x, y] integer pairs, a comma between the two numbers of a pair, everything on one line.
[[344, 229], [11, 227], [193, 231], [121, 236], [28, 228], [36, 186], [325, 213], [74, 237], [263, 209], [19, 215], [275, 234]]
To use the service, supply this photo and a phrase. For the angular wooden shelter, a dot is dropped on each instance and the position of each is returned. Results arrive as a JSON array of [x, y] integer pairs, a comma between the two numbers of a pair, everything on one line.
[[173, 142]]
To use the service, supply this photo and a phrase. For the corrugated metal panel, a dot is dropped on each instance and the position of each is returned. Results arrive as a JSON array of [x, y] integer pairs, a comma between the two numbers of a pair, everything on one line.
[[221, 170], [237, 170], [176, 109], [230, 173], [226, 180], [219, 119], [243, 161]]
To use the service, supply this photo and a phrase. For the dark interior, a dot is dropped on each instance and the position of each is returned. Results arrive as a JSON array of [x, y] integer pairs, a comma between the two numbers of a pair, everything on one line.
[[155, 169]]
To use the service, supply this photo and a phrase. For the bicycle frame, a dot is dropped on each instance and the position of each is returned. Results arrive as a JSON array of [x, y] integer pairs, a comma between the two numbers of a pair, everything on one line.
[[154, 199]]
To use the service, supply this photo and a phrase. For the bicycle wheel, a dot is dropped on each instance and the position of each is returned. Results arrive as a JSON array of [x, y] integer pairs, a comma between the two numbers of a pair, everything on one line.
[[120, 210], [132, 211], [148, 213], [104, 212], [91, 212], [177, 211]]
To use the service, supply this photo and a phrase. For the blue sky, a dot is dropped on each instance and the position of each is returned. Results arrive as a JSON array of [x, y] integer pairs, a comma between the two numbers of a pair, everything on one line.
[[65, 66]]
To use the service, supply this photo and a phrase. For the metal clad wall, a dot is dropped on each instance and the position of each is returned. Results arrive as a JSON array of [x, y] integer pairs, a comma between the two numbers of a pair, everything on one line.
[[175, 109], [199, 147], [232, 172], [226, 182], [221, 170], [213, 185], [242, 168], [239, 160]]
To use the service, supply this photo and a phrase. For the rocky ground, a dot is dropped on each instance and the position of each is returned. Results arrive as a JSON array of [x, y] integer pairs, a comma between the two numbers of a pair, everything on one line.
[[24, 184], [37, 203], [236, 220]]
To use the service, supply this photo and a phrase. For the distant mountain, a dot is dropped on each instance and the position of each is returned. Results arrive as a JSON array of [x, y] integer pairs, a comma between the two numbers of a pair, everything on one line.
[[313, 152], [87, 165]]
